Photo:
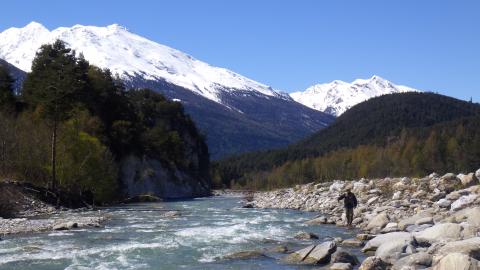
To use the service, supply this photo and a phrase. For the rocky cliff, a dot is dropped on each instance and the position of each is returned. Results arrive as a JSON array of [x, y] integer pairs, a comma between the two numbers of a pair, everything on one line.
[[141, 176]]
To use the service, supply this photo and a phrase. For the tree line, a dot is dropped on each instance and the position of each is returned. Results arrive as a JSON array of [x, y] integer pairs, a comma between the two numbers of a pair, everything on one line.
[[402, 134], [72, 124]]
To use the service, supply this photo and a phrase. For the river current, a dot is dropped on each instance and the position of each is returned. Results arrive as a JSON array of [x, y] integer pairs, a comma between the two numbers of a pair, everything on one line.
[[137, 237]]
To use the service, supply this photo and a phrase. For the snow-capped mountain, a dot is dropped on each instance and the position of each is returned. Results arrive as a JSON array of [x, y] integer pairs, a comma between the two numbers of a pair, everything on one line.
[[236, 113], [128, 55], [338, 96]]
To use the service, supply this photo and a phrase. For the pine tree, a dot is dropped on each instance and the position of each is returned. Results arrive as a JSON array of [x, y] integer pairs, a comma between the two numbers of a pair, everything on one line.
[[7, 99], [53, 88]]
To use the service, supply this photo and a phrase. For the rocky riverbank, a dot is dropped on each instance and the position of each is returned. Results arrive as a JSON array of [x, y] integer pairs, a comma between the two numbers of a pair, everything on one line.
[[57, 222], [407, 223], [23, 209]]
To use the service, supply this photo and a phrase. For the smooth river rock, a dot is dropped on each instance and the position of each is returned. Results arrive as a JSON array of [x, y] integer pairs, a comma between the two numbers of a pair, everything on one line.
[[456, 261], [321, 254], [469, 215], [341, 266], [439, 232], [393, 249], [415, 261], [352, 243], [404, 223], [298, 256], [468, 180], [463, 202], [342, 256], [306, 236], [317, 221], [374, 243], [373, 263], [470, 247], [378, 222], [314, 254]]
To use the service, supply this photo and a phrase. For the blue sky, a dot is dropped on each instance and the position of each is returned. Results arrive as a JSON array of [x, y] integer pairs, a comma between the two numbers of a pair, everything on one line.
[[290, 45]]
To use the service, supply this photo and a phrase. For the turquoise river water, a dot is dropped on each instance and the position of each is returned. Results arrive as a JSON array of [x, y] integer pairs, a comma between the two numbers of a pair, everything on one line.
[[137, 237]]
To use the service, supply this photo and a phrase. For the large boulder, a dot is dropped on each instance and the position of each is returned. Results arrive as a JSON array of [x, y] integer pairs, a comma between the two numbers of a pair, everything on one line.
[[464, 201], [435, 196], [470, 247], [378, 222], [468, 215], [390, 227], [415, 261], [306, 236], [373, 263], [352, 242], [298, 256], [336, 186], [392, 250], [439, 232], [477, 174], [418, 228], [468, 180], [449, 182], [444, 203], [454, 195], [317, 221], [456, 261], [321, 254], [374, 243], [342, 256], [314, 254], [425, 220], [404, 223]]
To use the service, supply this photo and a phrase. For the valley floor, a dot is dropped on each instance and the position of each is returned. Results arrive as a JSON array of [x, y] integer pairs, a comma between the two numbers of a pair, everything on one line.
[[407, 223]]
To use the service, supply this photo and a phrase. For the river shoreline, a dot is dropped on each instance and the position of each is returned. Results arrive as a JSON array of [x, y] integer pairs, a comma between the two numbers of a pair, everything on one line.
[[214, 233], [404, 223], [54, 221], [402, 219]]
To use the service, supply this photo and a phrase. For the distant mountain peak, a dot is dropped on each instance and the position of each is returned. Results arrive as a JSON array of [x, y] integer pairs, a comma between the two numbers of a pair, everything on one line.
[[34, 24], [338, 96]]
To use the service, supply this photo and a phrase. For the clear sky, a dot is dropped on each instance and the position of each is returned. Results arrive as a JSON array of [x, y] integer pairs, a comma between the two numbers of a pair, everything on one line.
[[290, 45]]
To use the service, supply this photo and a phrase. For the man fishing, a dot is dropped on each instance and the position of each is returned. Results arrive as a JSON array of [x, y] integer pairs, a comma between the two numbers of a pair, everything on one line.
[[349, 202]]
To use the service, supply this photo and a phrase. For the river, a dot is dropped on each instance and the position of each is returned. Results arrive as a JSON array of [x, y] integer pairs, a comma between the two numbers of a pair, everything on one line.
[[137, 237]]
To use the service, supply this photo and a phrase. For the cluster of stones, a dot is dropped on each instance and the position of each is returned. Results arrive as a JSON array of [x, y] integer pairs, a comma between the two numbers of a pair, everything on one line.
[[408, 223], [27, 225]]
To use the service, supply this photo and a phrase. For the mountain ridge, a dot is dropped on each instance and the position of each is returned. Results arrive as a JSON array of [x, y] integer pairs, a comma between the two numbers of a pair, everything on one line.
[[235, 113], [137, 56]]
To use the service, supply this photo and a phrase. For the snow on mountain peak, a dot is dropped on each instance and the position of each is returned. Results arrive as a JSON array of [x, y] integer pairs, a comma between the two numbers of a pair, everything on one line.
[[128, 55], [336, 97], [35, 25]]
